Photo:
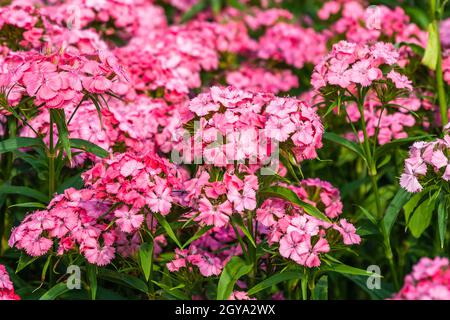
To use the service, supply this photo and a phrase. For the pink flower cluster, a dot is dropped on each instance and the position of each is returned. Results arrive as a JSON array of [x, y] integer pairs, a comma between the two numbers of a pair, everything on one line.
[[135, 181], [6, 286], [19, 19], [59, 79], [429, 280], [252, 124], [292, 44], [214, 202], [171, 59], [103, 133], [446, 69], [350, 64], [147, 124], [361, 24], [125, 17], [258, 18], [445, 34], [209, 254], [422, 155], [73, 218], [301, 237], [240, 295], [261, 79], [144, 125], [106, 215], [387, 123]]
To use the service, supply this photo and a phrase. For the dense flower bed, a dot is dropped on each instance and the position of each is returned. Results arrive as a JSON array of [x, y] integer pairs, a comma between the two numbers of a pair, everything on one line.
[[160, 146]]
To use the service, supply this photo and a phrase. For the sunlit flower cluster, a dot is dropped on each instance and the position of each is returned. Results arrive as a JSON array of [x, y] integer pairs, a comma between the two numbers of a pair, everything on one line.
[[58, 79], [302, 237], [235, 125]]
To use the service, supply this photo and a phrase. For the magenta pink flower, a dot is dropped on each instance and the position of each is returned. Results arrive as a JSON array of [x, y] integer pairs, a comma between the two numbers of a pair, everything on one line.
[[427, 281], [214, 215], [400, 81], [127, 219], [6, 286], [293, 246]]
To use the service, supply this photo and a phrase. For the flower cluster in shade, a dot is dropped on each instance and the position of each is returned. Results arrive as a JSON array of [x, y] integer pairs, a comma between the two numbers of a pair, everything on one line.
[[261, 79], [429, 280], [208, 254], [300, 236], [286, 43], [214, 202], [387, 124], [6, 286], [426, 161], [446, 69], [231, 125]]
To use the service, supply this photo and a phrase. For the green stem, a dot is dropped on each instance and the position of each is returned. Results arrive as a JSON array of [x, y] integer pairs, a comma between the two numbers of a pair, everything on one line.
[[390, 258], [51, 163], [371, 166], [372, 171], [304, 284], [439, 73], [7, 168], [251, 249]]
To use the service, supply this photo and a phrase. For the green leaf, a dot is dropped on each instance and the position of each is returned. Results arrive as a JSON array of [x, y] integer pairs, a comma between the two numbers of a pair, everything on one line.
[[392, 211], [46, 265], [236, 4], [368, 215], [122, 278], [24, 191], [24, 261], [166, 225], [59, 117], [92, 277], [12, 144], [345, 269], [146, 258], [55, 291], [411, 205], [321, 289], [414, 47], [72, 182], [29, 205], [421, 217], [197, 235], [375, 294], [330, 136], [418, 15], [216, 6], [237, 219], [89, 147], [443, 219], [172, 291], [431, 56], [289, 195], [273, 280], [193, 11], [234, 269]]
